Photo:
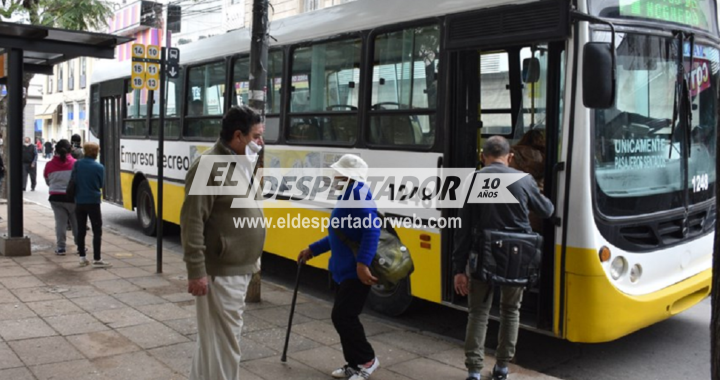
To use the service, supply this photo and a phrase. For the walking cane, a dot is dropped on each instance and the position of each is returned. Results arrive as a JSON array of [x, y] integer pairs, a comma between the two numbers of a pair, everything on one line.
[[292, 311]]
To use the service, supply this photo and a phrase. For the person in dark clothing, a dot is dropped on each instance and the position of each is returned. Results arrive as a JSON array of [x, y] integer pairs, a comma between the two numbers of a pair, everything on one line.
[[350, 271], [29, 161], [77, 150], [494, 216], [89, 176], [48, 150]]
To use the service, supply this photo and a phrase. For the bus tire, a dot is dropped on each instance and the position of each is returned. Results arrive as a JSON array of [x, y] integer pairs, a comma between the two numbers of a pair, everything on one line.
[[145, 209], [392, 302]]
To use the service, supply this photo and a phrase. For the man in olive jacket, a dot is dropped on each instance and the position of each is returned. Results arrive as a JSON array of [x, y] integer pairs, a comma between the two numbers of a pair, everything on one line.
[[221, 258]]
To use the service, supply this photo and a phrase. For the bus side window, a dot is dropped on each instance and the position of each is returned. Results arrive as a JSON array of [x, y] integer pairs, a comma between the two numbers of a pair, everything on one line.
[[404, 87], [205, 98], [325, 93]]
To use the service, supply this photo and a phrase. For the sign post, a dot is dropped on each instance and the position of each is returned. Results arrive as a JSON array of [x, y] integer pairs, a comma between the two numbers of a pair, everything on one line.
[[148, 72]]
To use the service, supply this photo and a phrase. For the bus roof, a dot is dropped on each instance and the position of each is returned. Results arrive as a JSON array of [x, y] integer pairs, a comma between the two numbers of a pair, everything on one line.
[[327, 22]]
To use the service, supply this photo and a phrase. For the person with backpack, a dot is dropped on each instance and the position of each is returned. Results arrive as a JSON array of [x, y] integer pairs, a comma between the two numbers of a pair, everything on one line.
[[77, 150], [29, 161], [477, 218], [351, 270], [57, 175]]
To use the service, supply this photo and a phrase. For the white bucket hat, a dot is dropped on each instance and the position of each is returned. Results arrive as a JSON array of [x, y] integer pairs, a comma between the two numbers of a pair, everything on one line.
[[352, 166]]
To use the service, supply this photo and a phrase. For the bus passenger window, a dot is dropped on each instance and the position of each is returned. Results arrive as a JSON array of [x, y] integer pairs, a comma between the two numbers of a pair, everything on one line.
[[135, 123], [325, 93], [205, 100], [404, 89], [495, 107]]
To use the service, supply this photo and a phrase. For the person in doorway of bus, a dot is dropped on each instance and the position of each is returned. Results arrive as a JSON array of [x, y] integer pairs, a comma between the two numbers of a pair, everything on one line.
[[77, 150], [29, 161], [89, 178], [57, 175], [351, 272], [494, 216], [221, 258]]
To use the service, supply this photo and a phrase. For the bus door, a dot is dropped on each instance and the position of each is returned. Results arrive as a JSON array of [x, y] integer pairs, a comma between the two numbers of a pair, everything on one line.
[[110, 115], [513, 92]]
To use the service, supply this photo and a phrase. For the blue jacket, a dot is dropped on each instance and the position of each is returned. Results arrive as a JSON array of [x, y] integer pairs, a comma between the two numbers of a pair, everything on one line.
[[89, 179], [343, 263]]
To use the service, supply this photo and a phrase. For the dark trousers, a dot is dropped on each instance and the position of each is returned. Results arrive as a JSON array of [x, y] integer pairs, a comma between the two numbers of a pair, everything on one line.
[[29, 169], [349, 302], [82, 212]]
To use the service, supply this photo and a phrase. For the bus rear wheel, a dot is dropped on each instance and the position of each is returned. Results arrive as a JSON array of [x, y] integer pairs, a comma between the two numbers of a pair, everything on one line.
[[145, 208], [391, 301]]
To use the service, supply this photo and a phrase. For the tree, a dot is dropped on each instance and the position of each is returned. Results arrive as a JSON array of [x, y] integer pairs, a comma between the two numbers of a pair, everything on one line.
[[85, 15]]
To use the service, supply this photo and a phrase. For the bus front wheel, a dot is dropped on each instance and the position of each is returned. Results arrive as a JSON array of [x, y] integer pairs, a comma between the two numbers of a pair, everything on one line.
[[145, 208], [391, 301]]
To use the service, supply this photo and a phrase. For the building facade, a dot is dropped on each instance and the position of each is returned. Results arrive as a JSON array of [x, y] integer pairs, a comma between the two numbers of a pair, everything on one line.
[[63, 111]]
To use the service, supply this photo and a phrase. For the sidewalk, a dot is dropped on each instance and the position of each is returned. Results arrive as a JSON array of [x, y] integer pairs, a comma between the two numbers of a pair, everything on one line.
[[62, 322]]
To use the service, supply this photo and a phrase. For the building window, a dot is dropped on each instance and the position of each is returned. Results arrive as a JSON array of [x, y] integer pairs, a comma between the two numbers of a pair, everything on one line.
[[60, 78], [83, 72], [233, 2], [310, 5], [50, 85], [71, 75]]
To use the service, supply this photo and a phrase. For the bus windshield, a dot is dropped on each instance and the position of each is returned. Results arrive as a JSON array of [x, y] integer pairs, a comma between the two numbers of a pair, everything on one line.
[[638, 154]]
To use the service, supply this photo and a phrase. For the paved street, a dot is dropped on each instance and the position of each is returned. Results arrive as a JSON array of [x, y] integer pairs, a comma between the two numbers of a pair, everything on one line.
[[60, 321], [676, 348]]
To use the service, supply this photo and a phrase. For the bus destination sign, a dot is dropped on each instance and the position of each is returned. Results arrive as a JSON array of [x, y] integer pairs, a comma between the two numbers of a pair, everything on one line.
[[692, 13]]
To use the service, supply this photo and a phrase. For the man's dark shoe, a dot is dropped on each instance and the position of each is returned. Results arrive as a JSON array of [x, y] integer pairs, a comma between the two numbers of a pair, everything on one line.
[[499, 373]]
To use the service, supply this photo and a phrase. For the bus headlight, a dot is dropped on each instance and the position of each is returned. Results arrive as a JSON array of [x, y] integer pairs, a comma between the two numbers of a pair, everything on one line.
[[635, 273], [618, 267]]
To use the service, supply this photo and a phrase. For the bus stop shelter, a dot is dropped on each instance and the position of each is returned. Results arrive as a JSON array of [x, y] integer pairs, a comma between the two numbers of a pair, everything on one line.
[[35, 49]]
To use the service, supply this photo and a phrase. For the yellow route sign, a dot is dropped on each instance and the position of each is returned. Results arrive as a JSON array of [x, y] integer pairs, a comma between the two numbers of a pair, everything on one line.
[[138, 51], [153, 52], [152, 83], [153, 70], [137, 82]]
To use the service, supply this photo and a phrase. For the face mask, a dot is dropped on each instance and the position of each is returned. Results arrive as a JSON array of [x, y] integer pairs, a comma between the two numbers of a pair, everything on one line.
[[252, 149]]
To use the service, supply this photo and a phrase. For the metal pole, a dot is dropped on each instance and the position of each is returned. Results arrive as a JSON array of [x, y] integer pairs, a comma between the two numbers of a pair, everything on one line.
[[161, 148], [15, 141]]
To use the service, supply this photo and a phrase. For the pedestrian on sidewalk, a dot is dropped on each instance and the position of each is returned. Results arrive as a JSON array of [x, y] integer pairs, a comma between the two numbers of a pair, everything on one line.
[[89, 178], [480, 217], [29, 161], [77, 150], [49, 150], [221, 258], [57, 175], [351, 272]]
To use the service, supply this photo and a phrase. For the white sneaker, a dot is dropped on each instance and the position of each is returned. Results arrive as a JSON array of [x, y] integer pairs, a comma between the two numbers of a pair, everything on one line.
[[101, 264], [363, 373], [84, 262], [344, 372]]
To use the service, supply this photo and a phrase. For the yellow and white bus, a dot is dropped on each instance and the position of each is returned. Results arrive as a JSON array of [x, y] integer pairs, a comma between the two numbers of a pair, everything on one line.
[[420, 83]]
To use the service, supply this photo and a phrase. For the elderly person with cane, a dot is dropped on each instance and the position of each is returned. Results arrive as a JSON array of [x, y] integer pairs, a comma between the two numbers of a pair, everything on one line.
[[350, 271]]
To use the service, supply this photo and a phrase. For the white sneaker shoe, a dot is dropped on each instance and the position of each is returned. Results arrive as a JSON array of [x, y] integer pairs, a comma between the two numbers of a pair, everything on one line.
[[84, 262], [363, 373], [101, 264], [344, 372]]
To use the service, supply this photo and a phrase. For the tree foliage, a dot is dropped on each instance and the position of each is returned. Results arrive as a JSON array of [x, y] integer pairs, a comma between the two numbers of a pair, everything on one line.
[[84, 15]]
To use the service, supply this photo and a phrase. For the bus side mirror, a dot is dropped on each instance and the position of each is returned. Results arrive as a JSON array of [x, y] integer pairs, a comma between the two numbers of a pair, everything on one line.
[[531, 70], [598, 79]]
